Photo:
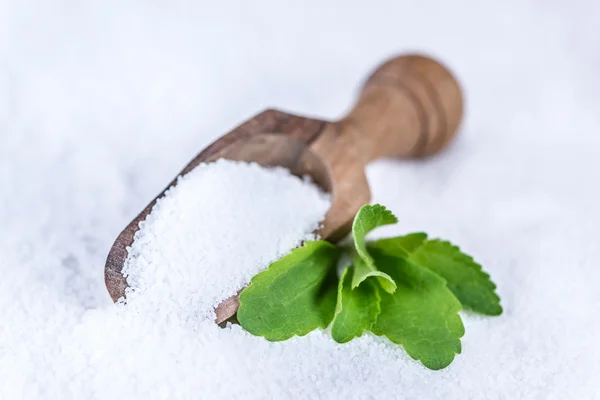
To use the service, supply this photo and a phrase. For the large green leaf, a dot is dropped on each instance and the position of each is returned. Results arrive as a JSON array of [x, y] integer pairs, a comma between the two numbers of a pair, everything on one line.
[[464, 277], [421, 315], [294, 296]]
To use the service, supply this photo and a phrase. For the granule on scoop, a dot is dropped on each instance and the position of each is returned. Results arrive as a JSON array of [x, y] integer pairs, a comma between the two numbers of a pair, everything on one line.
[[220, 225]]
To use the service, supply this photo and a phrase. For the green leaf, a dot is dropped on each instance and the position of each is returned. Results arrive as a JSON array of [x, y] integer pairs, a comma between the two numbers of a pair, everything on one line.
[[401, 246], [294, 296], [356, 310], [464, 277], [421, 315], [368, 218], [364, 271]]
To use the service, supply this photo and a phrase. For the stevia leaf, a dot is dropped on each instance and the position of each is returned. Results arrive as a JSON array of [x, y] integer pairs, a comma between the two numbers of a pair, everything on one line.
[[363, 271], [401, 246], [294, 296], [368, 218], [421, 315], [464, 277], [356, 310]]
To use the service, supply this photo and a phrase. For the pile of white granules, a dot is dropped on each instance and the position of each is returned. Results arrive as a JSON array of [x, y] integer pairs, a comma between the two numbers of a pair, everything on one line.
[[203, 241]]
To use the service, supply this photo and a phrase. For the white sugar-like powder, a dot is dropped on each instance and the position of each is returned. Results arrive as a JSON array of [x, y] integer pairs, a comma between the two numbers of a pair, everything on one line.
[[203, 241], [216, 228]]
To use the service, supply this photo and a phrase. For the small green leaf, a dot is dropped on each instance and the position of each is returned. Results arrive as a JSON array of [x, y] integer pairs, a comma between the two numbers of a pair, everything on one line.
[[368, 218], [421, 315], [294, 296], [356, 310], [464, 277], [364, 271]]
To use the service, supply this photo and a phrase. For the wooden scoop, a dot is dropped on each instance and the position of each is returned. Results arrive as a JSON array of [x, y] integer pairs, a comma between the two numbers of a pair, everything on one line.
[[409, 107]]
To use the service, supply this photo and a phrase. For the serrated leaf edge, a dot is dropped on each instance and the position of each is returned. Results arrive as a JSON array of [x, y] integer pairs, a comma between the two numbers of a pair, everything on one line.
[[471, 263]]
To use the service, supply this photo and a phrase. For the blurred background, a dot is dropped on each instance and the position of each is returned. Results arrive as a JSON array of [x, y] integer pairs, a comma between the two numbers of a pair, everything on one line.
[[102, 103]]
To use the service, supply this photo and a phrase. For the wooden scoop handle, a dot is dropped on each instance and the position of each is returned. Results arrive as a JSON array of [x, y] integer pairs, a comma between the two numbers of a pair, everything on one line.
[[409, 107]]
